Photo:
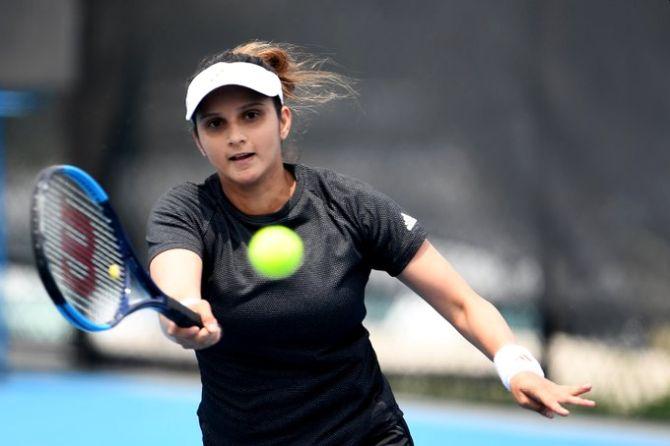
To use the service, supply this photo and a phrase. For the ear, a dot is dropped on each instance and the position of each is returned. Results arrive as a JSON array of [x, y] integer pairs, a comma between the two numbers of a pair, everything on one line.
[[285, 119], [196, 140]]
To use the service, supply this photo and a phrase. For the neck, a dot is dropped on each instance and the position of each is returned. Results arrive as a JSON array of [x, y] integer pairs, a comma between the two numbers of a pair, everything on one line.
[[266, 197]]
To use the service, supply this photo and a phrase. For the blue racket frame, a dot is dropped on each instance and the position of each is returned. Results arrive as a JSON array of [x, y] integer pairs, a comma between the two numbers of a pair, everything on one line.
[[156, 300]]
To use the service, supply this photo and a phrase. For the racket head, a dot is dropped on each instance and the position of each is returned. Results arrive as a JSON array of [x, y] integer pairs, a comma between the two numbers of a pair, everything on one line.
[[81, 252]]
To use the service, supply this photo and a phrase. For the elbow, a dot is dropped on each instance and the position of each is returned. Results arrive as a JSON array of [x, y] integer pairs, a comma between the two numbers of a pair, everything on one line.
[[464, 310], [459, 319]]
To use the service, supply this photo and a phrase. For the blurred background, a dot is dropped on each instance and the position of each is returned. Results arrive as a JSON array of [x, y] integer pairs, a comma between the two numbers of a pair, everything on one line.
[[531, 139]]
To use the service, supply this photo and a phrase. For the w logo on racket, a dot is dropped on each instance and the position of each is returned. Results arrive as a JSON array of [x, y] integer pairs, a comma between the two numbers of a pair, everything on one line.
[[78, 245]]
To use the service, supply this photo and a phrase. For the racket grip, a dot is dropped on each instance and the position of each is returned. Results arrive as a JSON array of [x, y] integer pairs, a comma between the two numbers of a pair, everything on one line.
[[180, 314]]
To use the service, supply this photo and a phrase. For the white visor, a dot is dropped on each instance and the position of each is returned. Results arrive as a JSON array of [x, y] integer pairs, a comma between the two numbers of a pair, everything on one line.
[[220, 74]]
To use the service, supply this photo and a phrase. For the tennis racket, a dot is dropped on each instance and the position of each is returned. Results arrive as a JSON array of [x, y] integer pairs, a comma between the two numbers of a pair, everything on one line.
[[84, 258]]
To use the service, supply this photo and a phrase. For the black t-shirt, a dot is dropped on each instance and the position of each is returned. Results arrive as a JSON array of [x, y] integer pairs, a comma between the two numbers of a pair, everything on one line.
[[294, 364]]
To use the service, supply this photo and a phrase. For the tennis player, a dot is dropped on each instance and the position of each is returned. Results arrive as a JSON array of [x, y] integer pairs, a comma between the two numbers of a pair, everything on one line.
[[289, 362]]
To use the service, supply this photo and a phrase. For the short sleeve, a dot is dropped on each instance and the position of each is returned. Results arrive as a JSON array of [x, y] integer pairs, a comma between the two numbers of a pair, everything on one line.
[[390, 235], [176, 221]]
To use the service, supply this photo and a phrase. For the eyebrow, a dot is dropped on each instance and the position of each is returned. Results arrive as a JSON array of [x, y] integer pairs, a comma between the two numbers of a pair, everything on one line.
[[240, 108]]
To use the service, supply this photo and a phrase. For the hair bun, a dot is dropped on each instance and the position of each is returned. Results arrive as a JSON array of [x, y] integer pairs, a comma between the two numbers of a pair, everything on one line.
[[281, 62], [277, 58]]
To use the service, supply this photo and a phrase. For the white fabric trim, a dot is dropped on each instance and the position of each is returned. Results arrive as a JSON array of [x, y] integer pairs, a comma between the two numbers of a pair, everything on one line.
[[244, 74]]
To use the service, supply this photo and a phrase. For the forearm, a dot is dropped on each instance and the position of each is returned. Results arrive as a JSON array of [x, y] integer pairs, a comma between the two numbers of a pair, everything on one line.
[[177, 272], [433, 278], [436, 281], [481, 324]]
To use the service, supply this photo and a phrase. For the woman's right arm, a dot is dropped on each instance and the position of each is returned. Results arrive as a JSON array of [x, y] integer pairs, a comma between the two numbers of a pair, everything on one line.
[[178, 272]]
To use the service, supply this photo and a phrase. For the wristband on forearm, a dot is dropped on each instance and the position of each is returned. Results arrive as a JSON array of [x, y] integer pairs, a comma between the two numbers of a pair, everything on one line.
[[512, 359]]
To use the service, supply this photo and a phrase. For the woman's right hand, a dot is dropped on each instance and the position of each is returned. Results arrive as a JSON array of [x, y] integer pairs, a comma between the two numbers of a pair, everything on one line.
[[193, 337], [178, 273]]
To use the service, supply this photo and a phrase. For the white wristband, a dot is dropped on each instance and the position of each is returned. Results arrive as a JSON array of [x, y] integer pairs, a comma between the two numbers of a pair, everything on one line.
[[512, 359]]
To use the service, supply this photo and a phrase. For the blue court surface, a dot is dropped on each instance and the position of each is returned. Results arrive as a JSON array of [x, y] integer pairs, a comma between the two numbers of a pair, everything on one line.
[[39, 409]]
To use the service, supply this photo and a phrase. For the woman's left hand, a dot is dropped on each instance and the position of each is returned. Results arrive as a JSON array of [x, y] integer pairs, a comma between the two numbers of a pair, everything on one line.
[[536, 393]]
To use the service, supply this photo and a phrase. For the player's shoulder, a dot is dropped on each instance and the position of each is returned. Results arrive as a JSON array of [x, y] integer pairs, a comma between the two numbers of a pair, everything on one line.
[[352, 196], [331, 181], [188, 196]]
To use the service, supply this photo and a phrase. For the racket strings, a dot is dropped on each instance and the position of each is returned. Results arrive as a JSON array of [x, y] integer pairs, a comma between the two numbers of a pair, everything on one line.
[[81, 248], [99, 302], [98, 313], [102, 241], [91, 210], [82, 272], [106, 258]]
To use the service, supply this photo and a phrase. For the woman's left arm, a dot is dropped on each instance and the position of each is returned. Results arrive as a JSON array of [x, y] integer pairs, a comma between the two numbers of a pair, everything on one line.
[[432, 277]]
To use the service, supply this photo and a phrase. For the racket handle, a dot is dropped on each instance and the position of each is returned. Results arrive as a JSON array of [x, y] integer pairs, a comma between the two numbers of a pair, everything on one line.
[[180, 314]]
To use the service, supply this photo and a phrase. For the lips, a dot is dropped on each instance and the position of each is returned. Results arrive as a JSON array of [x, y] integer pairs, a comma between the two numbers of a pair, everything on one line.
[[241, 156]]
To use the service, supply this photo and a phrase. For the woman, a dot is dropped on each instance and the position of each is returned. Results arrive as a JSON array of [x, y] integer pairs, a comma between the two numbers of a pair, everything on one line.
[[288, 361]]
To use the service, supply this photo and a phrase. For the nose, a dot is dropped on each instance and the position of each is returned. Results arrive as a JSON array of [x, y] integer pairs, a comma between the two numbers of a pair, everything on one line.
[[236, 136]]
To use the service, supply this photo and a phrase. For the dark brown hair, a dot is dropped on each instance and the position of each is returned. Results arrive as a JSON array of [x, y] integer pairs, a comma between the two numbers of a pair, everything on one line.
[[304, 83]]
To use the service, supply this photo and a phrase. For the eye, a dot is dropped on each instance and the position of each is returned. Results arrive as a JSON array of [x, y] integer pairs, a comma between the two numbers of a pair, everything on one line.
[[214, 123], [250, 115]]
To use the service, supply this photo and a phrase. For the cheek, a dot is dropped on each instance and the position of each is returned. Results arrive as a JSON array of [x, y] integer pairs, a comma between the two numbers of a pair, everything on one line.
[[211, 148], [205, 146], [268, 139]]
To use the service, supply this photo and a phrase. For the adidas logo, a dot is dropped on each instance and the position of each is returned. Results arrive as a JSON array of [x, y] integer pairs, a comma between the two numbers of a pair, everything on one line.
[[409, 221]]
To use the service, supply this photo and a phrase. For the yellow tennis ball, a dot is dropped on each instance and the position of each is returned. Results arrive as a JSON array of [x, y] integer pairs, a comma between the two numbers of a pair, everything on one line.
[[275, 252], [114, 271]]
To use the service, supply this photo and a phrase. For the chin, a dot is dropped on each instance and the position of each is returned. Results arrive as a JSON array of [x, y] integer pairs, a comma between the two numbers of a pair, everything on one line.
[[247, 177]]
